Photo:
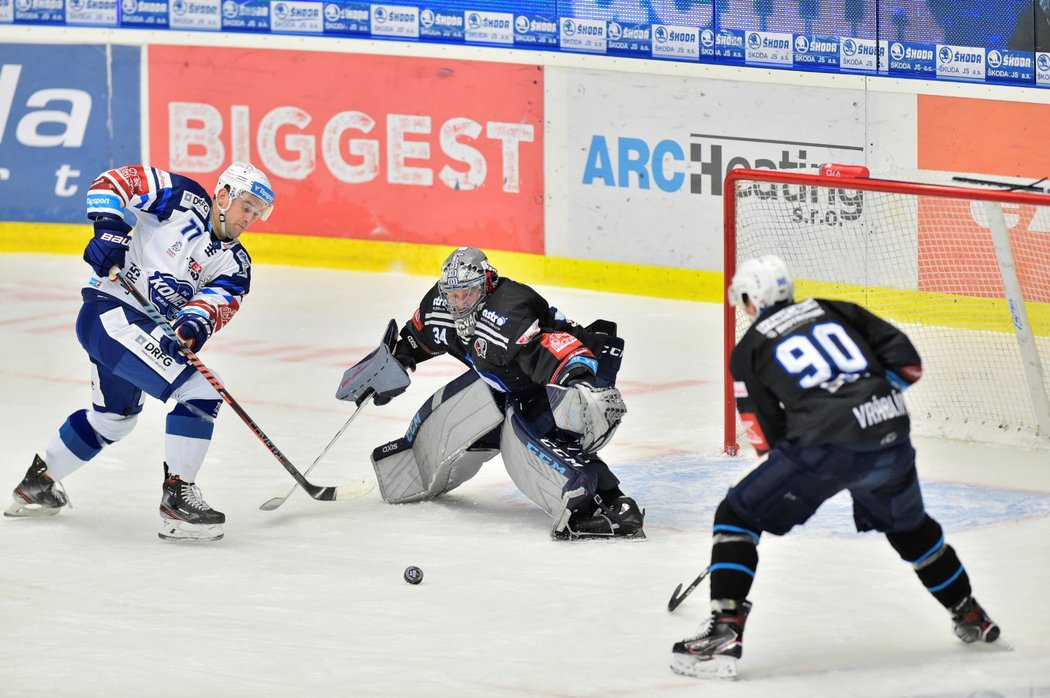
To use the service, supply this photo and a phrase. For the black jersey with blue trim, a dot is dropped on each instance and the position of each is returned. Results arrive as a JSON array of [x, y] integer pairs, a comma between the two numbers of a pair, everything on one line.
[[520, 343], [818, 372]]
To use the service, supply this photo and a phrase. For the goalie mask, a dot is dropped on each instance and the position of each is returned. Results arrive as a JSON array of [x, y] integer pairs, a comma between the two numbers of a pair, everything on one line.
[[466, 280], [764, 281], [242, 179]]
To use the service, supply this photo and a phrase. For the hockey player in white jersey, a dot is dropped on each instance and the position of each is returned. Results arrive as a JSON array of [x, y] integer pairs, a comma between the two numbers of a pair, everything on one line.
[[178, 246]]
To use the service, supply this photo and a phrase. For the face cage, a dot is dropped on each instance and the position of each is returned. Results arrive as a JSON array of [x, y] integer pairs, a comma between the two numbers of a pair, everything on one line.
[[464, 312]]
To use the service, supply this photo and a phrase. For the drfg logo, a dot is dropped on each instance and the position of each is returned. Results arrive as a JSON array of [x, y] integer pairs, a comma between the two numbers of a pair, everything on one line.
[[151, 349]]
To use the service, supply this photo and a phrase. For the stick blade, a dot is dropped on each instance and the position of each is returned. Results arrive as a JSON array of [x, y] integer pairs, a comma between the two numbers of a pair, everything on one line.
[[271, 504], [353, 490], [676, 600]]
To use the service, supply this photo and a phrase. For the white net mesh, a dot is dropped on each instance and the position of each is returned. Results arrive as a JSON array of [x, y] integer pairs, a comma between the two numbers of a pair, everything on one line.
[[927, 263]]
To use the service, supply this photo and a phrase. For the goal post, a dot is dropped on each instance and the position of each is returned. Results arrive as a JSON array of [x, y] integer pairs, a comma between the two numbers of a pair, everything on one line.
[[964, 272]]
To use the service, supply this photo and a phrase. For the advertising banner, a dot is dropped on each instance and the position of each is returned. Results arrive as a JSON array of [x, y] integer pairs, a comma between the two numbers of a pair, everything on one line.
[[991, 137], [994, 42], [995, 137], [368, 147], [67, 113], [638, 161]]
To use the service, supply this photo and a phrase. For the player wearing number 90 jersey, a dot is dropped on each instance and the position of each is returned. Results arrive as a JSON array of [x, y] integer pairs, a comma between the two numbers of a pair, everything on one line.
[[819, 385], [822, 372]]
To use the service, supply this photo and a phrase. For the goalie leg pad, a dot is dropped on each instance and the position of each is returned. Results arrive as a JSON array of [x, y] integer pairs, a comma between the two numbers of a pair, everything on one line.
[[439, 451], [403, 479], [544, 472]]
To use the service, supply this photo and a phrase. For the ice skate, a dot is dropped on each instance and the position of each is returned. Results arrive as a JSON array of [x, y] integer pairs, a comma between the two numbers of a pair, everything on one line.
[[622, 519], [714, 652], [971, 623], [37, 494], [184, 513]]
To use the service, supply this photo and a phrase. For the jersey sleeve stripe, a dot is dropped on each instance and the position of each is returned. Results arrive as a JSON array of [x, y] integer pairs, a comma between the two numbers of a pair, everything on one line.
[[102, 203]]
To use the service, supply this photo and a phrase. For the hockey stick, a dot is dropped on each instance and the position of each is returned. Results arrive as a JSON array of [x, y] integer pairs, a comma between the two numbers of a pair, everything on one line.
[[325, 494], [359, 490], [677, 600], [1009, 185]]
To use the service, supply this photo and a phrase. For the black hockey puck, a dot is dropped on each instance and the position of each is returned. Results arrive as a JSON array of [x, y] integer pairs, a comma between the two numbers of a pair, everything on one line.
[[413, 575]]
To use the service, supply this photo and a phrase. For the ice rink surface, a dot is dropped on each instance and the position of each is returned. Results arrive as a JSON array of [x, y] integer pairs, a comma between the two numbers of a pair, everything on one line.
[[309, 600]]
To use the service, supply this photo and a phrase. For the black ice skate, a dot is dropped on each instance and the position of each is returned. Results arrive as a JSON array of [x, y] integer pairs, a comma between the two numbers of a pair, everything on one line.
[[714, 652], [185, 514], [620, 519], [37, 494], [971, 623]]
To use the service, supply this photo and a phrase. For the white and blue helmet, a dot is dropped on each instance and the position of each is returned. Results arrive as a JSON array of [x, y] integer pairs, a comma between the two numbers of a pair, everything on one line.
[[244, 178], [764, 281]]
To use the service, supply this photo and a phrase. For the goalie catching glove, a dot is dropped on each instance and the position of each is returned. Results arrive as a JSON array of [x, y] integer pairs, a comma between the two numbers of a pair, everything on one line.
[[589, 413], [378, 374]]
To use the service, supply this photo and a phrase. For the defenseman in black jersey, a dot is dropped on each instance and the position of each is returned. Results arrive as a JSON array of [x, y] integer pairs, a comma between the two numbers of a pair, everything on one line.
[[539, 390], [819, 385]]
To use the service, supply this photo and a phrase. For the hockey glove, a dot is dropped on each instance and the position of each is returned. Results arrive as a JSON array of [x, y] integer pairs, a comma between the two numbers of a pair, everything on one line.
[[109, 247], [590, 414], [905, 378], [192, 330]]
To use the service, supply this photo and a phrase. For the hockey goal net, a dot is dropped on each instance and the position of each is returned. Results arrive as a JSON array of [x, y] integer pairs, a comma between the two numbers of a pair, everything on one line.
[[964, 272]]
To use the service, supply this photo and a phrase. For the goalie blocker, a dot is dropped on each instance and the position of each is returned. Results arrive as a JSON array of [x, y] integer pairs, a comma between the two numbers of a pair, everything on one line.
[[379, 374]]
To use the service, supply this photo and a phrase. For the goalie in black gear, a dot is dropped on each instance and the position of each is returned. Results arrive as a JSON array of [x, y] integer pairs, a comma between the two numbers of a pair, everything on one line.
[[540, 391]]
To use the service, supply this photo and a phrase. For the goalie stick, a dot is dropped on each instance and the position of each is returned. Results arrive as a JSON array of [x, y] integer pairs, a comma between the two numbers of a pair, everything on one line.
[[325, 494], [351, 491], [676, 599]]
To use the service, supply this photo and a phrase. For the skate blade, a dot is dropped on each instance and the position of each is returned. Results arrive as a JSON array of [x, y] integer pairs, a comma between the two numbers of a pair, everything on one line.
[[573, 537], [174, 530], [20, 509], [721, 667]]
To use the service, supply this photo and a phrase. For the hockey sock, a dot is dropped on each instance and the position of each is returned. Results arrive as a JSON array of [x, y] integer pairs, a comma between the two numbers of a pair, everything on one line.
[[189, 427], [734, 554], [77, 443], [936, 563]]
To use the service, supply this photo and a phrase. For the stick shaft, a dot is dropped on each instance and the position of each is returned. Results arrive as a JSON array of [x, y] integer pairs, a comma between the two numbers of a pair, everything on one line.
[[325, 493], [272, 504]]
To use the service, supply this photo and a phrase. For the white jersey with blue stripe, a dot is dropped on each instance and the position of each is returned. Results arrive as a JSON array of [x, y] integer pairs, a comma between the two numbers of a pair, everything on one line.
[[173, 258]]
